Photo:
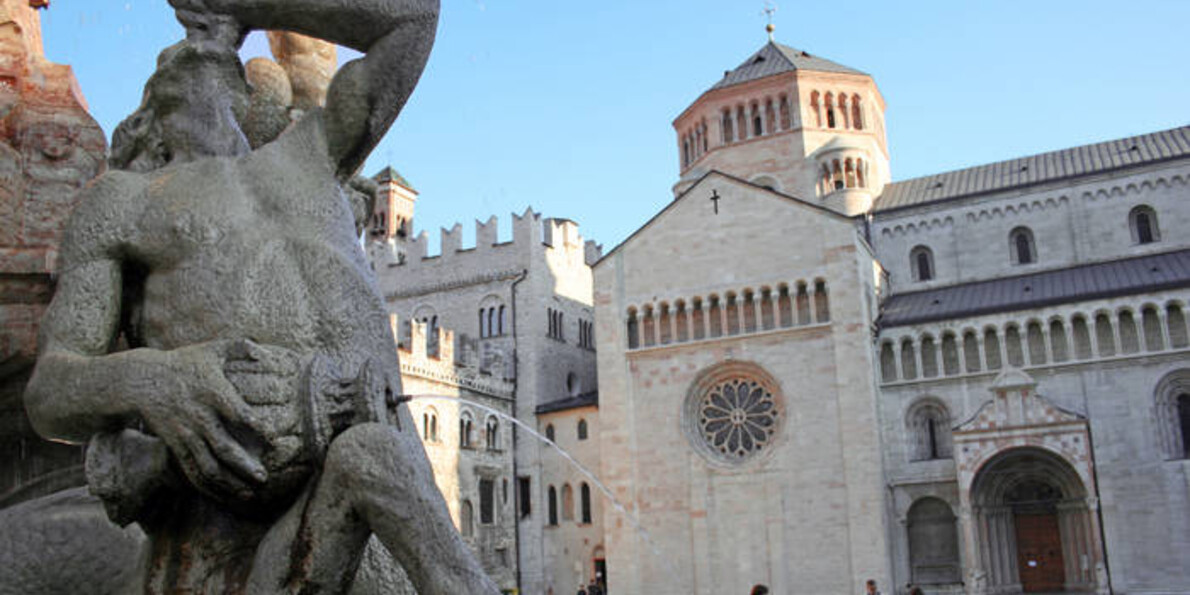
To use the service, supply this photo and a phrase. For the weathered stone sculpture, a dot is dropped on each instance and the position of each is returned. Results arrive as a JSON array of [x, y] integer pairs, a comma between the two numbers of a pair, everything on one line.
[[252, 426]]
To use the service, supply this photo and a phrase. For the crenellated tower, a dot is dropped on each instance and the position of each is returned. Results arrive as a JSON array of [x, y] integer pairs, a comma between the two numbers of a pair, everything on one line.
[[794, 122]]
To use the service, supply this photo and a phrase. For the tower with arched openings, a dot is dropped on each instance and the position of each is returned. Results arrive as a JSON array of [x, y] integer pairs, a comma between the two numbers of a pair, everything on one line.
[[793, 122]]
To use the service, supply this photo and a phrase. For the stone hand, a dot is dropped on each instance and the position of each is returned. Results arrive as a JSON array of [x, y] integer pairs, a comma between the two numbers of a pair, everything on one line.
[[193, 409]]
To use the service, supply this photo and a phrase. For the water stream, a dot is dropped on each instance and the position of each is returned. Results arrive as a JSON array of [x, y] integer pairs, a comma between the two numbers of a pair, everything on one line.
[[583, 470]]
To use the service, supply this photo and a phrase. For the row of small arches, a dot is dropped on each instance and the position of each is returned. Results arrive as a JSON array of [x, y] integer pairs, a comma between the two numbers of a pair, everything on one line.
[[755, 119], [492, 321], [762, 117], [584, 511], [1074, 338], [839, 174], [837, 111], [491, 432], [748, 311]]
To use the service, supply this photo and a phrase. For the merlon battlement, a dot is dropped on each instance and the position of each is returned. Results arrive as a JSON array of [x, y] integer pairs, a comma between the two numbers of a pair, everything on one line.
[[530, 234]]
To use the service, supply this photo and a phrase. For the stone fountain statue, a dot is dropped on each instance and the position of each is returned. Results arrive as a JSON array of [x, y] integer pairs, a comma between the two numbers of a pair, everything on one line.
[[217, 337]]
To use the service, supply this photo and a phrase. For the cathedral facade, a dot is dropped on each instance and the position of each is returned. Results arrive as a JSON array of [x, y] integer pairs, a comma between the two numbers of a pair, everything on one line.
[[974, 382]]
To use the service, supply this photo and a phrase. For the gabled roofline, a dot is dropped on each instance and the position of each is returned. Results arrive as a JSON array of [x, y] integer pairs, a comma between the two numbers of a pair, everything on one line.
[[731, 178]]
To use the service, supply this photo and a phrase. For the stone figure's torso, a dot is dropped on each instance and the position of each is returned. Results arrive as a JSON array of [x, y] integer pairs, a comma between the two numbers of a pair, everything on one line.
[[260, 247]]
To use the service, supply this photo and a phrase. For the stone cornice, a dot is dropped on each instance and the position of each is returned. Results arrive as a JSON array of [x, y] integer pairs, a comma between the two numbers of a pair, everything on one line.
[[505, 275]]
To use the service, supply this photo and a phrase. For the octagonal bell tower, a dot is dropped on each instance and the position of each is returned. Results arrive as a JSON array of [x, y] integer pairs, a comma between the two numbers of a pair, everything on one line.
[[794, 122]]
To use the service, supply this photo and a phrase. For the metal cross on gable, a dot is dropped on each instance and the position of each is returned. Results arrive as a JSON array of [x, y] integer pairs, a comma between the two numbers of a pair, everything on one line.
[[715, 200], [770, 8]]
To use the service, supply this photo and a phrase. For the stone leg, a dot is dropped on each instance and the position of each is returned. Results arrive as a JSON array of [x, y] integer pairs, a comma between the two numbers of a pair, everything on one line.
[[376, 479]]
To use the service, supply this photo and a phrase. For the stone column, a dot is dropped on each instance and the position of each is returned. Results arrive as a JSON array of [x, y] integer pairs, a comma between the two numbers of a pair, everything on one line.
[[812, 306], [897, 356]]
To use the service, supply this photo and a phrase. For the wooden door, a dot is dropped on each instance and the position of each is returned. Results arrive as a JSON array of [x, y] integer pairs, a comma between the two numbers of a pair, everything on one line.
[[1039, 553]]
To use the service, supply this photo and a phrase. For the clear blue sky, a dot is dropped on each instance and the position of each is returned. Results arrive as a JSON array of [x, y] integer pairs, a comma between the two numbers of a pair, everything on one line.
[[566, 106]]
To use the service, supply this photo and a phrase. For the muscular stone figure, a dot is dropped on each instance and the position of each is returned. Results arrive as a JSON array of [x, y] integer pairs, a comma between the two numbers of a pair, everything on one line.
[[218, 338]]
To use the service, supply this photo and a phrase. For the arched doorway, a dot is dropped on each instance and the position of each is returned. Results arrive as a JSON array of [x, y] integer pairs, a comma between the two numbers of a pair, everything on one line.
[[1034, 529]]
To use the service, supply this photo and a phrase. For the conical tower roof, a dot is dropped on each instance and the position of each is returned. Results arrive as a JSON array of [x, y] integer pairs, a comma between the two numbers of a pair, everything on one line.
[[774, 59]]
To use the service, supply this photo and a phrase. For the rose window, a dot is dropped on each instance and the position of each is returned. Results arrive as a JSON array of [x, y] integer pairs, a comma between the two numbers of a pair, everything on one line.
[[737, 418]]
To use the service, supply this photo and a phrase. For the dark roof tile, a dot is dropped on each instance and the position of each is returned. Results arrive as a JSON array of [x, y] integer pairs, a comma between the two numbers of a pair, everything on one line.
[[1044, 167], [1130, 276], [773, 59]]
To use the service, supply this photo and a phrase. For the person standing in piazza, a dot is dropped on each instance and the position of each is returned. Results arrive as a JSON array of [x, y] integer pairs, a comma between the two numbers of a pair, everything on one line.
[[217, 337]]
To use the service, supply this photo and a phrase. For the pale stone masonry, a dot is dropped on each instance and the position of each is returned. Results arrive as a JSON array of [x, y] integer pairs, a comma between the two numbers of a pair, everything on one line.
[[975, 382]]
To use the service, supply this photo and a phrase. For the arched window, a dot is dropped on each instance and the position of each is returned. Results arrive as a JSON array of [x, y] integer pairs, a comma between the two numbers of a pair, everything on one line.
[[971, 351], [1175, 320], [582, 429], [770, 116], [1172, 400], [950, 354], [697, 320], [466, 519], [757, 121], [908, 359], [1020, 241], [837, 175], [929, 357], [492, 434], [928, 423], [632, 329], [785, 306], [933, 543], [549, 432], [733, 314], [767, 319], [682, 320], [715, 314], [1129, 338], [1058, 344], [786, 119], [649, 327], [567, 503], [465, 430], [857, 119], [483, 324], [1012, 344], [663, 324], [500, 321], [888, 362], [1105, 337], [921, 261], [1151, 324], [749, 309], [821, 302], [1143, 221], [1036, 341], [552, 501], [830, 110], [991, 349], [816, 108], [859, 173], [849, 172], [741, 123], [685, 152], [430, 425], [585, 503], [728, 134], [1082, 337]]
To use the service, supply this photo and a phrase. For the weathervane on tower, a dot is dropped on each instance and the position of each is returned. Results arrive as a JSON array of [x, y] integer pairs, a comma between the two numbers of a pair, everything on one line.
[[770, 8]]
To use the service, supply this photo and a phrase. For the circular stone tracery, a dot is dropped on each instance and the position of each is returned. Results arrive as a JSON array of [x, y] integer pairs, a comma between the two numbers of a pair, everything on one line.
[[733, 413]]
